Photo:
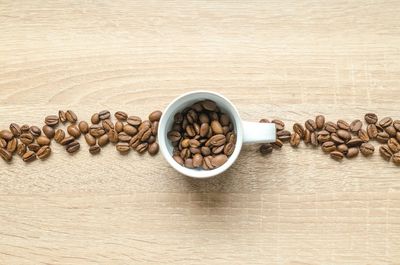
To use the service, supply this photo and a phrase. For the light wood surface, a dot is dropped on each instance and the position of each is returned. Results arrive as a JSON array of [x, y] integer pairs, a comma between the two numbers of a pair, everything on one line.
[[276, 59]]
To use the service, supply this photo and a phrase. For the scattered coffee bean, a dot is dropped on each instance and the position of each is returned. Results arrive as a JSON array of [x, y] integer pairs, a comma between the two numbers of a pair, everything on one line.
[[12, 145], [311, 125], [331, 127], [153, 148], [367, 149], [73, 147], [307, 136], [51, 120], [96, 130], [21, 149], [29, 156], [385, 122], [371, 118], [283, 135], [355, 126], [382, 137], [142, 147], [372, 131], [123, 137], [48, 131], [313, 139], [261, 121], [279, 125], [61, 115], [119, 126], [83, 127], [103, 140], [295, 140], [34, 147], [113, 136], [15, 129], [393, 145], [336, 155], [74, 131], [35, 131], [67, 140], [26, 138], [90, 139], [344, 135], [94, 149], [299, 129], [391, 131], [396, 158], [107, 125], [95, 119], [59, 135], [355, 141], [343, 125], [363, 135], [130, 130], [328, 147], [121, 116], [71, 116], [5, 154], [6, 135], [320, 122], [265, 149], [352, 152], [134, 120], [3, 143], [396, 125], [44, 152], [342, 148], [123, 147], [43, 140], [323, 136], [385, 152]]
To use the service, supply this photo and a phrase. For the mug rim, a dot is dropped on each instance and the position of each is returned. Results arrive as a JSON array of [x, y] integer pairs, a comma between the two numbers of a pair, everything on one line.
[[162, 135]]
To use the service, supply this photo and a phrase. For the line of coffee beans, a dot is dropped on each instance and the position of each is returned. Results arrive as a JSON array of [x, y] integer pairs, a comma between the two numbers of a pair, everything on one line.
[[203, 136], [342, 139], [128, 132]]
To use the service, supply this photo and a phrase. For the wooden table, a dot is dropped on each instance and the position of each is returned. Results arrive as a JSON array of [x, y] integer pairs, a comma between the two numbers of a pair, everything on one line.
[[277, 59]]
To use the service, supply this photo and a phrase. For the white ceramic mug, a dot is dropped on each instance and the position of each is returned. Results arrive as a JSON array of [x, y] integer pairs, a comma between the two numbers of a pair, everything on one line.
[[246, 132]]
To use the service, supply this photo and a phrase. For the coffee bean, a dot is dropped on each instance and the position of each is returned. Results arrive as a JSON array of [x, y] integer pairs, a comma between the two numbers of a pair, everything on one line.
[[216, 150], [372, 131], [311, 125], [307, 136], [26, 138], [194, 143], [35, 131], [283, 135], [216, 127], [355, 126], [396, 125], [264, 121], [299, 129], [197, 107], [279, 125], [21, 149], [336, 155], [73, 147], [355, 141], [295, 140], [209, 105], [43, 140], [154, 128], [71, 116], [134, 142], [205, 151], [178, 160], [385, 122], [51, 120], [216, 140], [352, 152], [94, 149], [15, 129], [185, 153], [34, 147], [342, 148], [119, 126], [44, 152], [6, 135], [197, 160], [344, 135], [385, 152], [5, 155], [204, 129], [48, 131], [95, 119], [145, 135], [219, 160], [266, 149], [142, 147], [74, 131], [104, 114], [371, 118], [363, 135], [3, 143], [229, 148], [320, 122], [224, 120], [96, 130], [61, 116], [398, 136], [328, 147], [29, 156], [67, 140], [396, 158], [189, 163], [123, 147], [12, 145], [153, 148], [382, 137], [83, 127], [191, 116], [59, 135], [343, 125], [393, 145], [207, 163], [103, 140], [367, 149], [323, 136], [178, 118], [331, 127], [123, 137], [313, 139], [107, 125], [391, 130], [134, 120], [121, 116], [90, 139], [130, 130]]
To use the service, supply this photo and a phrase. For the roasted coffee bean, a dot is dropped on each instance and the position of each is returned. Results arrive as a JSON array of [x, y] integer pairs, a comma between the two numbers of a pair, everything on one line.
[[328, 147], [355, 126], [331, 127], [379, 128], [67, 140], [43, 140], [216, 127], [3, 143], [153, 148], [103, 140], [398, 136], [178, 160], [197, 160], [190, 131], [21, 149], [146, 124], [283, 135], [279, 125], [323, 136], [185, 143], [343, 125], [142, 147], [83, 127], [396, 158], [48, 131], [215, 150], [205, 151], [121, 116], [178, 118], [59, 135], [6, 135], [29, 156], [15, 129], [73, 147], [391, 131], [299, 129], [336, 155], [372, 131], [44, 152], [295, 140], [396, 125], [224, 120], [385, 122], [134, 142], [34, 147], [311, 125], [12, 145], [123, 147], [25, 128], [342, 148], [352, 152], [231, 137], [313, 139], [355, 141], [51, 120], [35, 131], [74, 131], [363, 135], [371, 118], [336, 139], [307, 136], [61, 116], [203, 118], [367, 149], [189, 163], [95, 119], [119, 126], [6, 155], [154, 128], [130, 130], [146, 135], [216, 140], [113, 136], [385, 152], [104, 114], [134, 120], [207, 163], [194, 143], [96, 130], [185, 153], [265, 149], [123, 137], [209, 105], [382, 137], [320, 122], [344, 135], [94, 149], [191, 116], [107, 125], [204, 129], [219, 160], [229, 148], [71, 116], [393, 145], [197, 107], [264, 121], [26, 138], [90, 139]]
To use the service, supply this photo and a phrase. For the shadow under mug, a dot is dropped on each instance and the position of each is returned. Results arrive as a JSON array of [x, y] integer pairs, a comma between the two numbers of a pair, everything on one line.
[[246, 132]]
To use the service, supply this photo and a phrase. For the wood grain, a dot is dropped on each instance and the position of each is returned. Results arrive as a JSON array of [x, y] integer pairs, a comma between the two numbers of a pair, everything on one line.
[[290, 60]]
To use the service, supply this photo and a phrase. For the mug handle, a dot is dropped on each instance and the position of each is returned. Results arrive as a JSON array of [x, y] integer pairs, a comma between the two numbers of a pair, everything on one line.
[[255, 132]]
